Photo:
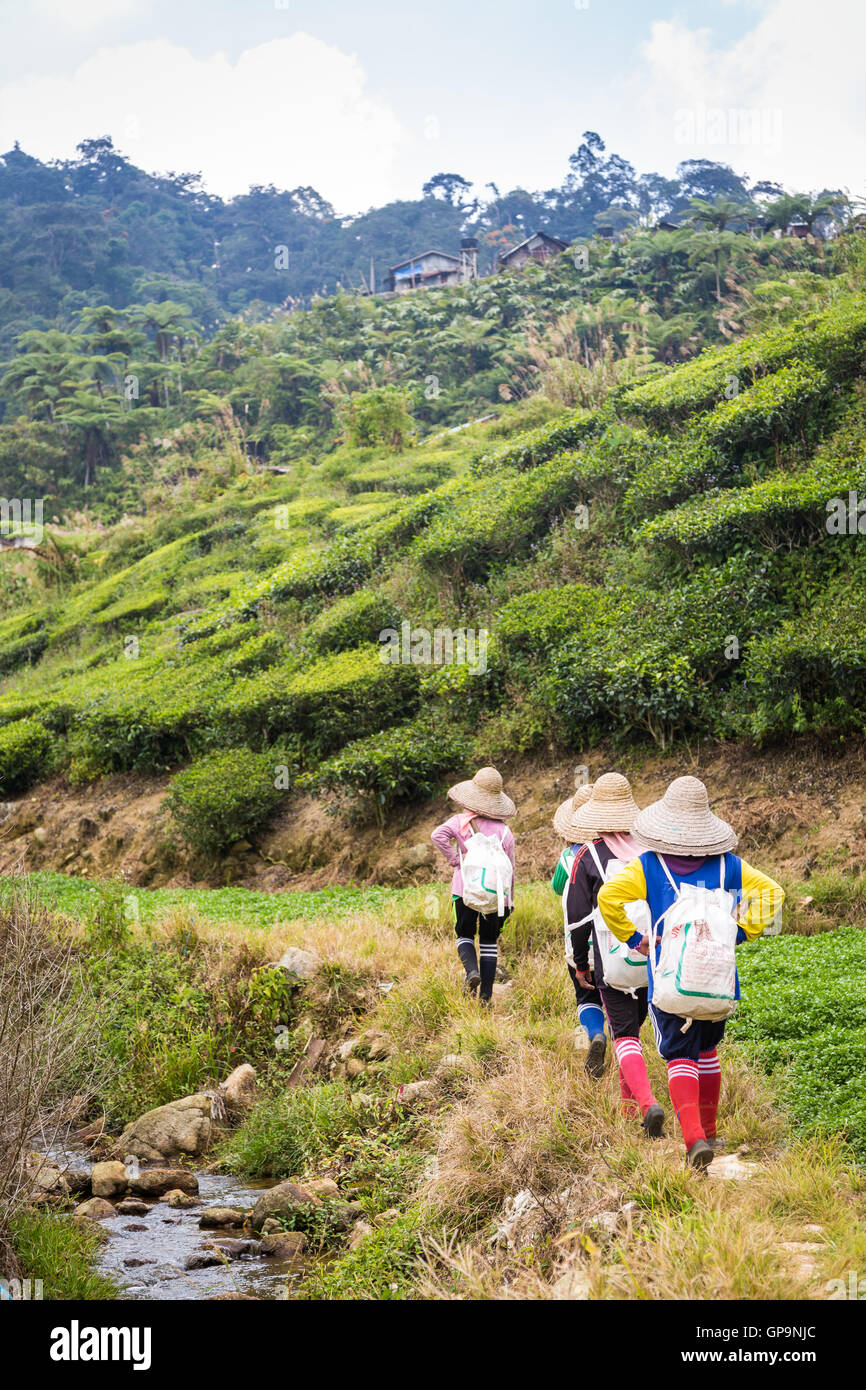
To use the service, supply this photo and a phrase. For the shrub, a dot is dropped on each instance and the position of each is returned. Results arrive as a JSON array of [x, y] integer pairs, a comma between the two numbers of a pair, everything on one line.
[[543, 619], [395, 765], [139, 605], [23, 637], [497, 515], [774, 406], [782, 510], [833, 341], [321, 706], [540, 444], [25, 754], [351, 621], [810, 674], [223, 797], [380, 416], [657, 662], [683, 467]]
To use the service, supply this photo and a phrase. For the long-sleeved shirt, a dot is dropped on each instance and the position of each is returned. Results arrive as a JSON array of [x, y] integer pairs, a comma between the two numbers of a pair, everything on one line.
[[581, 897], [457, 830], [758, 897], [562, 871]]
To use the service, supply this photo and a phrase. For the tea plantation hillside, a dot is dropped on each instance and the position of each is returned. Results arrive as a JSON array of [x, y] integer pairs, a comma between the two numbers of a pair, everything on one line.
[[682, 559]]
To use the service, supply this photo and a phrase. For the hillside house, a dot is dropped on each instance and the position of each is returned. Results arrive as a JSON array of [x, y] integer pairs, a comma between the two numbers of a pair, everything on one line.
[[539, 248], [430, 268]]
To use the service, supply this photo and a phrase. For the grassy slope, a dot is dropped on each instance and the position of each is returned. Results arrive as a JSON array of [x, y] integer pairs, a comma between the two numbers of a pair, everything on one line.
[[518, 1114]]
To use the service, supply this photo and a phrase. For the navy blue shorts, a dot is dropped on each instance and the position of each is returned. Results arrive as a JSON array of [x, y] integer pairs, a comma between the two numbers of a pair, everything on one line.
[[675, 1045]]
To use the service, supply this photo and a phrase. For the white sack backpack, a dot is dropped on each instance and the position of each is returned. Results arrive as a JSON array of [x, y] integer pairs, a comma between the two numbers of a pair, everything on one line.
[[487, 874], [696, 974]]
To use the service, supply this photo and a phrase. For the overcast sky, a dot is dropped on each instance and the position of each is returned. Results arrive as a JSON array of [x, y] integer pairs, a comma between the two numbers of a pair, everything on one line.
[[365, 99]]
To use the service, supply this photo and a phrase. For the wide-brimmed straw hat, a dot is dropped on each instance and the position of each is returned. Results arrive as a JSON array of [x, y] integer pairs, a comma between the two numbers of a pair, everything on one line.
[[484, 795], [682, 822], [610, 808], [564, 814]]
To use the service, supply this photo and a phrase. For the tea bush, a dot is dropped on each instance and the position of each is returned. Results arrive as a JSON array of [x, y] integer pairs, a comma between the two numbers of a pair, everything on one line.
[[223, 797], [373, 774], [803, 1015], [351, 621], [25, 754]]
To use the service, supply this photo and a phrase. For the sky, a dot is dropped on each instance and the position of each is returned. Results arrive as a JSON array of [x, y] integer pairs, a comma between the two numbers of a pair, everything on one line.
[[366, 99]]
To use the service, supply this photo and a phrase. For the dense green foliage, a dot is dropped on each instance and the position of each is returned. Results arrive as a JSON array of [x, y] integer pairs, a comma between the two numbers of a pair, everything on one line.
[[223, 797], [138, 356], [804, 1017], [657, 562]]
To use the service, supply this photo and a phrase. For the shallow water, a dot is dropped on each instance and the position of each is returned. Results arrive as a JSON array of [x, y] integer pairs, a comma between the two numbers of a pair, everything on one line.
[[170, 1235]]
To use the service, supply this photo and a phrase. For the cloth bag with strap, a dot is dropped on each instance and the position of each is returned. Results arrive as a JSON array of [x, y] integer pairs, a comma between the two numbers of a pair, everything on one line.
[[622, 968], [487, 874], [695, 975]]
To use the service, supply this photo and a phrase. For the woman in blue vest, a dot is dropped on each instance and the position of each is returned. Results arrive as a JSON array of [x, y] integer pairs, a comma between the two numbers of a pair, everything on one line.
[[687, 845]]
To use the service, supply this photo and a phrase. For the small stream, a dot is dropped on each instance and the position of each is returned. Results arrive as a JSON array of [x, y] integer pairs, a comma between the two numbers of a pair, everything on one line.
[[145, 1255]]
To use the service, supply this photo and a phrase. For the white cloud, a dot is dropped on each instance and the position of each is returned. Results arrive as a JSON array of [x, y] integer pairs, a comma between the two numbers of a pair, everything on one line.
[[291, 111], [786, 101]]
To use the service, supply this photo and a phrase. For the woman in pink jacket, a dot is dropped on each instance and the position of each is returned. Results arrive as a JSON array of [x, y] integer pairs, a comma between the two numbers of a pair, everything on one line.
[[483, 807]]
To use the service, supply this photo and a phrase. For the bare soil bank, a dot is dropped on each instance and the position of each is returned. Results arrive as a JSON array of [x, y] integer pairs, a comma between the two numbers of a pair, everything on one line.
[[800, 805]]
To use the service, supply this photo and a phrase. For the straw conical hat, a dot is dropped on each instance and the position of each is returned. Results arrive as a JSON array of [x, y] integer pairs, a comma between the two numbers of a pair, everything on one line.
[[611, 807], [682, 822], [562, 819], [484, 795]]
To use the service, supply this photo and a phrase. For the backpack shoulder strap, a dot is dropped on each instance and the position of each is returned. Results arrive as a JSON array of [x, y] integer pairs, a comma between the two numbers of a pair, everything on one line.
[[668, 875], [721, 871], [591, 847]]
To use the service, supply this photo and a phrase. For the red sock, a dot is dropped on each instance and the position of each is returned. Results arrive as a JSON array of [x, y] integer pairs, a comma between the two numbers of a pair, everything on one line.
[[683, 1086], [709, 1084], [632, 1070], [629, 1104]]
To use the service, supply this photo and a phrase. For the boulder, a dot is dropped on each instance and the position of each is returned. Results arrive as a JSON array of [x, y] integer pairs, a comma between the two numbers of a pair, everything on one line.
[[282, 1200], [46, 1177], [222, 1216], [94, 1209], [355, 1067], [415, 1092], [176, 1198], [323, 1187], [418, 856], [133, 1206], [304, 964], [108, 1179], [455, 1064], [182, 1127], [234, 1249], [77, 1181], [284, 1245], [572, 1284], [239, 1089], [360, 1231], [379, 1048], [386, 1217], [203, 1259], [155, 1182]]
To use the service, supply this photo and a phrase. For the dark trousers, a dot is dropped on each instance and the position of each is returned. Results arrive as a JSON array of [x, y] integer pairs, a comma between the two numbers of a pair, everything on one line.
[[467, 921]]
